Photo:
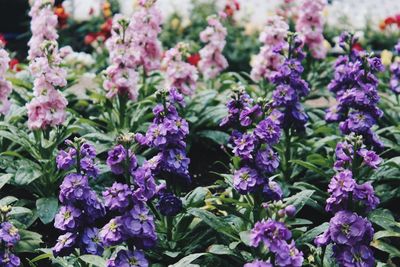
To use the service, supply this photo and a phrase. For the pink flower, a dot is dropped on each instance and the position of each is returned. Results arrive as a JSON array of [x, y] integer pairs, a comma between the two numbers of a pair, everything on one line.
[[212, 60], [267, 62], [178, 73], [311, 25], [47, 108], [5, 86]]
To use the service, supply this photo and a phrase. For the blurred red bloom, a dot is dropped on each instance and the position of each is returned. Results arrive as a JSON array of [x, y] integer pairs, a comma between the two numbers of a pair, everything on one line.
[[194, 59], [14, 64]]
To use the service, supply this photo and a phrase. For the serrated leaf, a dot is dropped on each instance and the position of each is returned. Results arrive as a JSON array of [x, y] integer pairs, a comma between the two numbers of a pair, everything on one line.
[[47, 209]]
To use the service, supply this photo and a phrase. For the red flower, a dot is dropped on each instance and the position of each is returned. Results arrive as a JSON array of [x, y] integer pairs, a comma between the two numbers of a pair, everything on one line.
[[390, 20], [194, 59], [357, 47], [61, 15], [90, 38], [14, 64], [3, 39]]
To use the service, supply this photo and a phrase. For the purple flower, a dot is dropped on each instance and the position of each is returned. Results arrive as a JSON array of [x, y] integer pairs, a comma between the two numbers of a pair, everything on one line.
[[245, 180], [289, 256], [64, 245], [144, 180], [127, 258], [271, 233], [8, 259], [117, 197], [89, 168], [111, 233], [358, 122], [119, 159], [365, 193], [290, 210], [91, 242], [88, 150], [67, 218], [139, 223], [169, 204], [267, 160], [244, 146], [73, 188], [272, 191], [340, 186], [354, 256], [175, 161], [249, 114], [344, 151], [268, 130], [66, 159], [370, 158], [9, 234], [176, 97], [375, 64], [284, 95], [94, 209], [348, 228], [258, 263]]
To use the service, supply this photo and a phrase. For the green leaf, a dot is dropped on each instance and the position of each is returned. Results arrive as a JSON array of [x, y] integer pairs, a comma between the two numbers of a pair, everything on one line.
[[385, 233], [25, 175], [7, 200], [16, 211], [378, 244], [4, 179], [218, 137], [309, 166], [383, 218], [47, 209], [195, 198], [311, 234], [328, 259], [186, 261], [30, 241], [214, 222], [245, 237], [218, 249], [300, 199], [94, 260]]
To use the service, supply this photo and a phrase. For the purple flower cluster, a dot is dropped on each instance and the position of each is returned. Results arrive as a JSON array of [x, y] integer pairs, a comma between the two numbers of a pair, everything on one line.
[[258, 159], [9, 237], [355, 87], [131, 220], [167, 134], [395, 73], [275, 236], [80, 205], [290, 87], [351, 235], [83, 156]]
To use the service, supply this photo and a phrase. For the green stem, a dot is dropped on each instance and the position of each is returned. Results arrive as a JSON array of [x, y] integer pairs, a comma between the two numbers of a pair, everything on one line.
[[169, 220], [122, 110], [287, 171]]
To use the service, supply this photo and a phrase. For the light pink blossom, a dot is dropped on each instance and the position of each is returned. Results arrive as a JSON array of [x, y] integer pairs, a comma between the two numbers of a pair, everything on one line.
[[178, 73], [47, 108], [310, 24], [212, 61], [266, 63], [5, 86], [121, 75]]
